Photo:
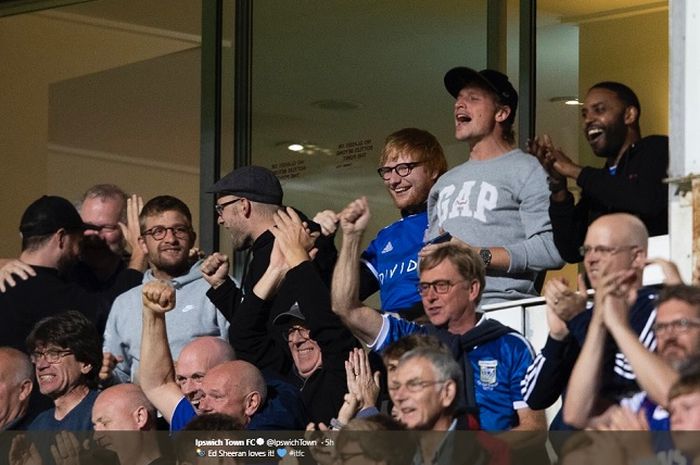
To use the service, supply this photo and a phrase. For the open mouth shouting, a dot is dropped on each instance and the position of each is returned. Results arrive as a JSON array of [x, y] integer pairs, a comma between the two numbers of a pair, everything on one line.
[[462, 118], [593, 133]]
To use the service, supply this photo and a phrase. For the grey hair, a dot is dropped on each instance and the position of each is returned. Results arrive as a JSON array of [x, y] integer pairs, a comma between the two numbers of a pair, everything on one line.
[[444, 365]]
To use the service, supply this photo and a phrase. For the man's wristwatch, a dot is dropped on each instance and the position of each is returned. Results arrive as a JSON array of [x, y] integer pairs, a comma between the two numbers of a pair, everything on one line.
[[486, 256]]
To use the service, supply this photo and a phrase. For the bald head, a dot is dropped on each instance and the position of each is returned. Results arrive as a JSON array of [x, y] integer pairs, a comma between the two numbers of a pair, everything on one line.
[[236, 388], [624, 228], [123, 407], [16, 375], [615, 242], [244, 376], [15, 365], [196, 359], [208, 350]]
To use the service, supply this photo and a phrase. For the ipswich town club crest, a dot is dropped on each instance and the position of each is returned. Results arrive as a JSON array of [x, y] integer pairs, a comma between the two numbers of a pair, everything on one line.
[[487, 372]]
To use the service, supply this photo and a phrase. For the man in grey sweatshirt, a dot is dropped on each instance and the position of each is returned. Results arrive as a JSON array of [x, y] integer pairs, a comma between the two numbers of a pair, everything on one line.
[[497, 201], [166, 238]]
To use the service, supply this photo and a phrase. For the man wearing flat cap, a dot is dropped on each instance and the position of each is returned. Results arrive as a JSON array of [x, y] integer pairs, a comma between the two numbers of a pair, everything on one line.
[[52, 233], [313, 338], [247, 200], [497, 201]]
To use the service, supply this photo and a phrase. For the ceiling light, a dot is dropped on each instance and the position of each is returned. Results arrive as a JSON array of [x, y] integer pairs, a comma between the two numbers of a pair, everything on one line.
[[295, 147], [566, 100]]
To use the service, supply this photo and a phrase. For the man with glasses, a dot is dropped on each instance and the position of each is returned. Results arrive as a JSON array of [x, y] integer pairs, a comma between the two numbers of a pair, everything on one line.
[[411, 161], [677, 331], [614, 243], [106, 208], [65, 351], [246, 201], [495, 202], [104, 262], [166, 239], [494, 357], [425, 391]]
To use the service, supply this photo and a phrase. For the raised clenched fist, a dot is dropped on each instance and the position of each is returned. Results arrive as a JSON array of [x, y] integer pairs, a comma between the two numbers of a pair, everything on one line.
[[158, 296]]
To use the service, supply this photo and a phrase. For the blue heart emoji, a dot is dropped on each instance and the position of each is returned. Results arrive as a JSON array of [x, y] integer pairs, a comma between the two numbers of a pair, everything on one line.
[[281, 452]]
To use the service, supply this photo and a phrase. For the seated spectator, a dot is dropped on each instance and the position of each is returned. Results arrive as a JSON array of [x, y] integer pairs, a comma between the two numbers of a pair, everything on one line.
[[410, 163], [684, 408], [614, 243], [16, 375], [313, 352], [677, 330], [166, 238], [684, 398], [196, 358], [124, 408], [235, 388], [494, 357], [283, 408], [630, 182], [52, 232], [425, 392], [65, 351]]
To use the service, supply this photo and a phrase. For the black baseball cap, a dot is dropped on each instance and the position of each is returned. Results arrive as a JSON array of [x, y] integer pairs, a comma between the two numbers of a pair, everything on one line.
[[252, 182], [457, 78], [48, 214], [294, 313]]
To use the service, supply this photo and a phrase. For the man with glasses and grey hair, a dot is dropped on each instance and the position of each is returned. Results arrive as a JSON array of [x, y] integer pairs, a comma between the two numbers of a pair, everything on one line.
[[614, 244], [494, 357], [166, 239], [425, 391]]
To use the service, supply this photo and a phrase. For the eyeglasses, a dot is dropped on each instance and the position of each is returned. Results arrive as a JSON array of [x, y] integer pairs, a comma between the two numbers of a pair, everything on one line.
[[415, 385], [402, 169], [677, 326], [603, 250], [108, 228], [52, 356], [219, 207], [304, 333], [441, 286], [159, 232]]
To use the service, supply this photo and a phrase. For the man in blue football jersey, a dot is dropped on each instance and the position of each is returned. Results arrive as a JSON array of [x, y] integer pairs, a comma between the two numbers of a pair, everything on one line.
[[411, 161], [493, 357]]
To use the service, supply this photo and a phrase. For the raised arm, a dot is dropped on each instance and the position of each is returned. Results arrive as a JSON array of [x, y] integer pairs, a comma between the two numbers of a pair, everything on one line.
[[363, 321], [583, 401], [157, 373], [654, 375]]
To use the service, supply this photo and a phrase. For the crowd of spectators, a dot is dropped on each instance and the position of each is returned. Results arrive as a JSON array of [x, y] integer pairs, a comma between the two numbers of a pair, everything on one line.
[[114, 321]]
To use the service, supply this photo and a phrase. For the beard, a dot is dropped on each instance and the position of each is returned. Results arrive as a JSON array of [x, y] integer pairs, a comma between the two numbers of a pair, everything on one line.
[[614, 138]]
